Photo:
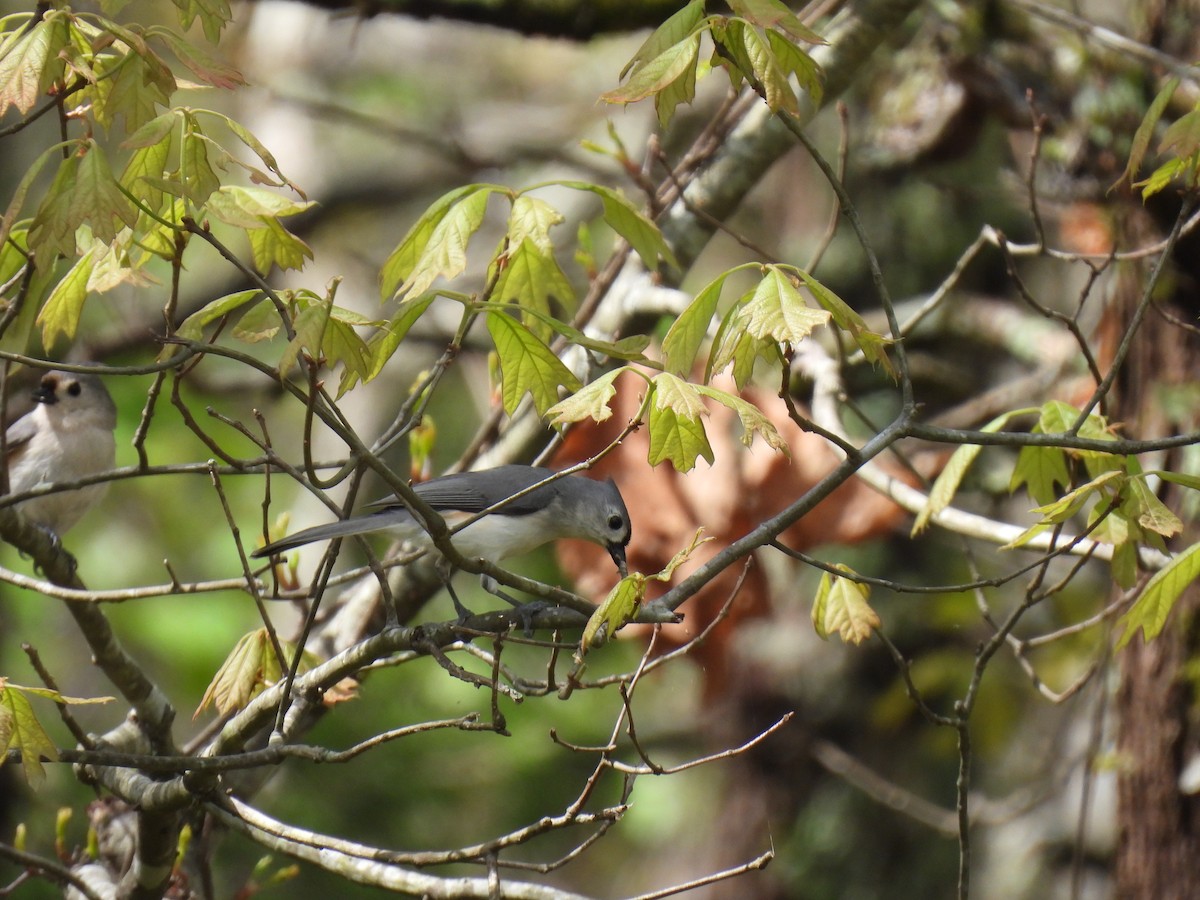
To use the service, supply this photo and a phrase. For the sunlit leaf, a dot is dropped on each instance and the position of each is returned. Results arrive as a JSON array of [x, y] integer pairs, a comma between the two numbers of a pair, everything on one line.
[[531, 219], [1149, 612], [614, 612], [387, 340], [275, 245], [754, 420], [777, 310], [671, 32], [625, 219], [951, 476], [589, 402], [241, 676], [60, 315], [250, 207], [532, 279], [444, 254], [771, 14], [204, 65], [192, 328], [841, 607], [676, 424], [687, 333], [21, 730], [528, 365]]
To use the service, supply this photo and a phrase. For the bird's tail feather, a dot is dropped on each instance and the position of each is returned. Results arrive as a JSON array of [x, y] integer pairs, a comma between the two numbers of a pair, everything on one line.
[[344, 528]]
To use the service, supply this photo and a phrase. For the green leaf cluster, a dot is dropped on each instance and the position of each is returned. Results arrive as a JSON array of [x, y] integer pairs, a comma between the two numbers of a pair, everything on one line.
[[1109, 490], [758, 43], [1180, 144], [21, 730], [107, 218], [765, 322]]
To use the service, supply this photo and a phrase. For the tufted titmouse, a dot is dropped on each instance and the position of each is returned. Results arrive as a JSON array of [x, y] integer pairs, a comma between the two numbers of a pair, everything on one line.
[[570, 507], [67, 435]]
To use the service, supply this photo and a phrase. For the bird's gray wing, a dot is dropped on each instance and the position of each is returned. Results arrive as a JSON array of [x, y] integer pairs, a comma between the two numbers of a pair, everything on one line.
[[473, 492], [19, 434]]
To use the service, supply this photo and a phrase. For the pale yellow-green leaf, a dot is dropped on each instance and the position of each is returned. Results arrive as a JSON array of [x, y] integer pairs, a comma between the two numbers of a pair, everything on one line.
[[1153, 514], [275, 245], [1149, 612], [60, 315], [841, 607], [677, 438], [590, 402], [248, 207], [614, 612], [531, 219], [949, 479], [240, 676], [777, 310], [445, 253], [23, 731], [686, 334], [527, 365], [754, 420]]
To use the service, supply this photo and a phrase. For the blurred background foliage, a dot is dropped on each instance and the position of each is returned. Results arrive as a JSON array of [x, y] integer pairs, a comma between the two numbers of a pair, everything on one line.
[[377, 117]]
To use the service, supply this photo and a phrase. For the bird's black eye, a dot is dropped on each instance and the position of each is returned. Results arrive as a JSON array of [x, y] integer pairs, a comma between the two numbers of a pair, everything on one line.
[[615, 522], [74, 389]]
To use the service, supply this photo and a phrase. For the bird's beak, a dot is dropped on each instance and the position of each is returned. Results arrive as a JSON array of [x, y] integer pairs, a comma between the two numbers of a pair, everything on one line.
[[45, 393], [617, 552]]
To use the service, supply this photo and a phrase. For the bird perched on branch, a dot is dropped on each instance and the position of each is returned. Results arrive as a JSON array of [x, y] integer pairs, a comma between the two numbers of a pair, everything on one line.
[[68, 435], [572, 506]]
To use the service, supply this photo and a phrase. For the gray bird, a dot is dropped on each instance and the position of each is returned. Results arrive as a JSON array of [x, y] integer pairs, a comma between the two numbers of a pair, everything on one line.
[[571, 507], [66, 436]]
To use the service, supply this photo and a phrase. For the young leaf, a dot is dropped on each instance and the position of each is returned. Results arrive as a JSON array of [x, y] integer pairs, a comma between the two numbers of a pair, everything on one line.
[[676, 424], [771, 14], [400, 264], [791, 58], [199, 179], [532, 279], [1152, 513], [60, 315], [29, 62], [1145, 131], [1149, 612], [527, 365], [192, 328], [625, 219], [241, 676], [687, 332], [753, 420], [532, 219], [841, 606], [677, 27], [657, 74], [614, 612], [778, 311], [445, 252], [250, 207], [946, 485], [385, 342], [768, 74], [273, 244], [590, 402], [1041, 468], [872, 345], [199, 61], [1070, 503], [21, 730]]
